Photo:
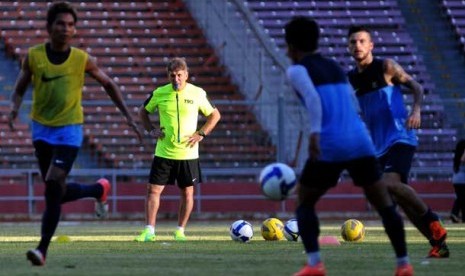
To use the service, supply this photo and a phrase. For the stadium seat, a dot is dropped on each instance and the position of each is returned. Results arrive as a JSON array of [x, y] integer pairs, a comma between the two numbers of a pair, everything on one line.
[[391, 39], [132, 41]]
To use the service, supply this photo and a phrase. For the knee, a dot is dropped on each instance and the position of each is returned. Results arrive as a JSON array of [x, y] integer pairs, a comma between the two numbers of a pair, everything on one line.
[[187, 193], [394, 187], [54, 189], [154, 190]]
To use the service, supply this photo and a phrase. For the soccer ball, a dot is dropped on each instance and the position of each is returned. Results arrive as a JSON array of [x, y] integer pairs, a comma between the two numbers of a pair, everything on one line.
[[272, 229], [277, 181], [291, 230], [241, 231], [353, 230]]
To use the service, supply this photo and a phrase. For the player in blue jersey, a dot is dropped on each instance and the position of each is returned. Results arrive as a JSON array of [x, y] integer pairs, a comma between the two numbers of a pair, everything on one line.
[[378, 85], [339, 140]]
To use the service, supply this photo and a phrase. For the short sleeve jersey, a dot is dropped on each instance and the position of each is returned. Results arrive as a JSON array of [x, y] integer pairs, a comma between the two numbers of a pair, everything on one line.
[[178, 112], [57, 92]]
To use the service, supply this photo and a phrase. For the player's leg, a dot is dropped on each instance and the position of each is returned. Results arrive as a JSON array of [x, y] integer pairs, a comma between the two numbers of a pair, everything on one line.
[[460, 190], [397, 166], [161, 174], [55, 188], [188, 175], [455, 211], [154, 192], [366, 173], [63, 157], [152, 204], [317, 178], [186, 205], [409, 201]]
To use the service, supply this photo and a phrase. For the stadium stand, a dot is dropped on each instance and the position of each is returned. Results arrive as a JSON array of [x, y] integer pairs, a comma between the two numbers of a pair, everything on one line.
[[455, 11], [132, 41], [391, 39]]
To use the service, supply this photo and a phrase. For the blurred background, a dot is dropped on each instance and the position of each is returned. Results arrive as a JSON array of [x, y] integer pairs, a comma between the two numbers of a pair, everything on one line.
[[235, 50]]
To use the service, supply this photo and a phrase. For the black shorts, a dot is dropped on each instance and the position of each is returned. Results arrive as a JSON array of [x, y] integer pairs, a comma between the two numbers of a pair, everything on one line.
[[324, 175], [398, 159], [168, 171], [61, 156]]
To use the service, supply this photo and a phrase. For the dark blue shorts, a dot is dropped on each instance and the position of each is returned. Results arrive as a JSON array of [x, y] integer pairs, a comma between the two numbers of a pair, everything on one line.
[[324, 175], [168, 172], [398, 159]]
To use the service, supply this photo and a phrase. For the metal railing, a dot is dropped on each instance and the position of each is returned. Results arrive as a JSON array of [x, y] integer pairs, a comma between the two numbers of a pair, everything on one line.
[[31, 179]]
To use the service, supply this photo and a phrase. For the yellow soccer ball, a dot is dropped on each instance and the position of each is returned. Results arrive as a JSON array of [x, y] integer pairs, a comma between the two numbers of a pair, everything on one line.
[[353, 230], [63, 239], [272, 229]]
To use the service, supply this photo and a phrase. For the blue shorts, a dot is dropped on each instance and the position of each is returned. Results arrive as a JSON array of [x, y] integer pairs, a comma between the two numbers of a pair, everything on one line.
[[398, 159], [70, 135], [324, 175]]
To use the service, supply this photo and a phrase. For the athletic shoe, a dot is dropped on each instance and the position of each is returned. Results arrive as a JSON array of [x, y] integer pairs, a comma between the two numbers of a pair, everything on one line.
[[145, 236], [35, 257], [438, 231], [439, 251], [404, 270], [317, 270], [179, 235], [101, 205], [454, 218]]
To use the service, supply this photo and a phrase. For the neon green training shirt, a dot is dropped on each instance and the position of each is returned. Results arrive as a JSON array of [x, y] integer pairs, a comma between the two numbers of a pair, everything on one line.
[[178, 112]]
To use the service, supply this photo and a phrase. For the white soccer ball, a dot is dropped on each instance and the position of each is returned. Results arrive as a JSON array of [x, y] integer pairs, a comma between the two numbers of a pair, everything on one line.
[[277, 181], [291, 230], [241, 231]]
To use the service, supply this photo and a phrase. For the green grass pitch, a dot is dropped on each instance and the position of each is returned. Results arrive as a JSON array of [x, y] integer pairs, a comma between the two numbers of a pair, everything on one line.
[[106, 248]]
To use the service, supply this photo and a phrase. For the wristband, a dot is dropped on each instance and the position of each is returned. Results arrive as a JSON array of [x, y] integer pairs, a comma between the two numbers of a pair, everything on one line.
[[201, 133]]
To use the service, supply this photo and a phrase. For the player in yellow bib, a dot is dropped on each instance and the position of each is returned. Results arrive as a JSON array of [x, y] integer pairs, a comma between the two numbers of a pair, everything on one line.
[[176, 156], [57, 73]]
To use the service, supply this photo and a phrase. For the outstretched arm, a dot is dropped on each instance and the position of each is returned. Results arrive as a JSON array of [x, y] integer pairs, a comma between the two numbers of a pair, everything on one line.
[[23, 81], [113, 91], [395, 74]]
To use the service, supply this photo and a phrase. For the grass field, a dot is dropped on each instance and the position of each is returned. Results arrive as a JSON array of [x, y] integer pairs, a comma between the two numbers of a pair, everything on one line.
[[106, 248]]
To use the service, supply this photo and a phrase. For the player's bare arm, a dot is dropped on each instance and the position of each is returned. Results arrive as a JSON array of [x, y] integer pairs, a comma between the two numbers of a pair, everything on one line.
[[209, 125], [144, 117], [23, 81], [211, 122], [395, 74], [113, 91]]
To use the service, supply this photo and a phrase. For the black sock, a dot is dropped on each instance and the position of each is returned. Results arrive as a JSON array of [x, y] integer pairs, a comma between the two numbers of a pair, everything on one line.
[[75, 191], [430, 216], [51, 216], [309, 227], [394, 227]]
